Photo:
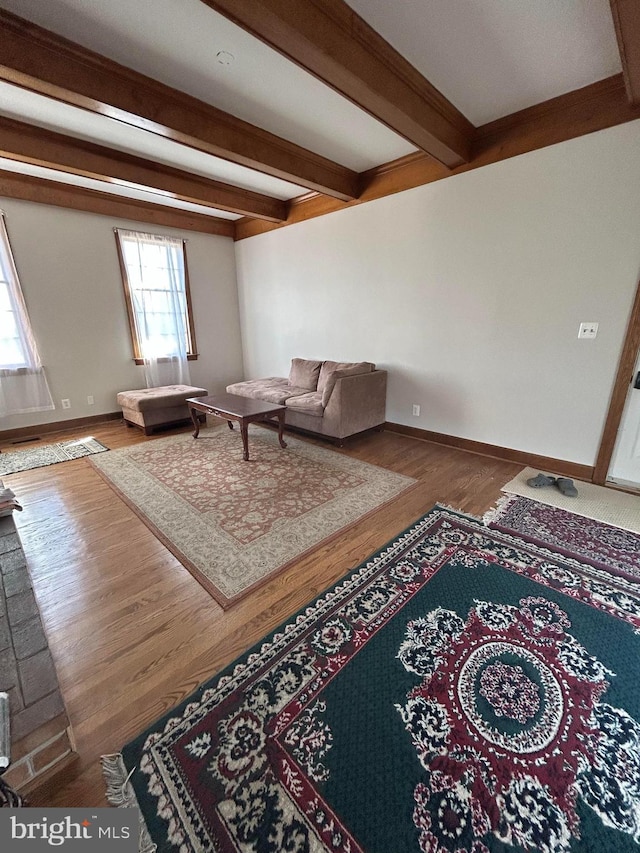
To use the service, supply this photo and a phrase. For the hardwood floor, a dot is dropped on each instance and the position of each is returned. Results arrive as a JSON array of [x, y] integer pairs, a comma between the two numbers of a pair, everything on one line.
[[132, 633]]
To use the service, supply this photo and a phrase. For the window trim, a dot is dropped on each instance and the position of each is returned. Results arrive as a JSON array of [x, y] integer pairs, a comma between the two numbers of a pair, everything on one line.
[[192, 349]]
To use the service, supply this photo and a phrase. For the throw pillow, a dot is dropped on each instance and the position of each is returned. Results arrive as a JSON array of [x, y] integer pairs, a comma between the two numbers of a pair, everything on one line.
[[304, 373]]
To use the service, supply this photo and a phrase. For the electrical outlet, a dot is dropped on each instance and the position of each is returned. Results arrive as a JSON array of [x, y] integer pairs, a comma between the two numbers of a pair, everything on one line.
[[66, 404], [416, 410], [588, 330], [90, 400]]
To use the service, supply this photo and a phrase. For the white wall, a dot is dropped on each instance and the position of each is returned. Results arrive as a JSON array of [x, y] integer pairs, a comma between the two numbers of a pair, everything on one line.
[[470, 292], [69, 272]]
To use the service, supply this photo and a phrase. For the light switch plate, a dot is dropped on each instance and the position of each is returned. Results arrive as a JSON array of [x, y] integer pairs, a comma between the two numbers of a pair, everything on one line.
[[588, 330]]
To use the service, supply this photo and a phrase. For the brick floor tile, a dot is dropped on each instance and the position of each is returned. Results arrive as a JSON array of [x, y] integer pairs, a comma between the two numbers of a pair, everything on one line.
[[37, 676]]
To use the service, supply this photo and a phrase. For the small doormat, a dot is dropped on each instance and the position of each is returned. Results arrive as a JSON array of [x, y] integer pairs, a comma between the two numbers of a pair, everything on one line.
[[462, 690], [602, 504], [48, 454]]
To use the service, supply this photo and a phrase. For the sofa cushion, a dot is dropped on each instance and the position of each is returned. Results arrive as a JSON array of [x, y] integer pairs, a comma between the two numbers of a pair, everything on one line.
[[309, 403], [272, 389], [334, 371], [304, 373]]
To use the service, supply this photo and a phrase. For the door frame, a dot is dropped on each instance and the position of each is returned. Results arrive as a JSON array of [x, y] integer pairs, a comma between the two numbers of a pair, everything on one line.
[[626, 364]]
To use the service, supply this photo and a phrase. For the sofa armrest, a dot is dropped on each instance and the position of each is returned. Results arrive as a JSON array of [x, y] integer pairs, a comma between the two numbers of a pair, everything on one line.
[[356, 403]]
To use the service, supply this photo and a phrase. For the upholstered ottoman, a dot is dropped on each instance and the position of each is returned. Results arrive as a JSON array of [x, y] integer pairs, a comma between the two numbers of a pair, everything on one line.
[[149, 408]]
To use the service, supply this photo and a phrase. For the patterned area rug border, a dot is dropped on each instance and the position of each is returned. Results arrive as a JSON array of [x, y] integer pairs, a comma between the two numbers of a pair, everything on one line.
[[16, 461], [283, 690], [381, 487]]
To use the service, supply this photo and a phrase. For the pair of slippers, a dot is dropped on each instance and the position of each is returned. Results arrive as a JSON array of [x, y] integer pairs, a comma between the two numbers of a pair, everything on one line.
[[563, 483]]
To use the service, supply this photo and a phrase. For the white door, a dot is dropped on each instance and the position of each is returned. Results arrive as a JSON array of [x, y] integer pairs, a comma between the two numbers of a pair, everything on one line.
[[625, 464]]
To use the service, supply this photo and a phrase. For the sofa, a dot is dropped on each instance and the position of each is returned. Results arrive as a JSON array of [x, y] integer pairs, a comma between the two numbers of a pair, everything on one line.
[[329, 398]]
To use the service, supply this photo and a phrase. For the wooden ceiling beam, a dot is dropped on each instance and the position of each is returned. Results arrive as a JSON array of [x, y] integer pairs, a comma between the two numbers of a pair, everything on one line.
[[332, 42], [40, 61], [42, 191], [595, 107], [626, 18], [29, 144]]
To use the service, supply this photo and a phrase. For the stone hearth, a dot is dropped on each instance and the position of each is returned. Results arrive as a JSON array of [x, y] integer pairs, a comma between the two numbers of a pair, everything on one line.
[[39, 725]]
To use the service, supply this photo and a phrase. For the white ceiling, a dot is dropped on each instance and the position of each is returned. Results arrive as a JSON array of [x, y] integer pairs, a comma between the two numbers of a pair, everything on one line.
[[493, 57], [488, 57]]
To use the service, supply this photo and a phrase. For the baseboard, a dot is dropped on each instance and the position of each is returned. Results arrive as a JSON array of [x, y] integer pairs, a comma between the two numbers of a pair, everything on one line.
[[480, 448], [58, 426], [531, 460]]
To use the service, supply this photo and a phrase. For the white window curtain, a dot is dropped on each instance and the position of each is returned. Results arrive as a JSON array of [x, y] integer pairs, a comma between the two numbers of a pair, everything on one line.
[[156, 280], [23, 384]]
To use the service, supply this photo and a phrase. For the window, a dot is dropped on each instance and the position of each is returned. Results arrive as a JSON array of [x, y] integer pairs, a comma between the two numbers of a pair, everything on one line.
[[23, 384], [156, 286], [17, 347]]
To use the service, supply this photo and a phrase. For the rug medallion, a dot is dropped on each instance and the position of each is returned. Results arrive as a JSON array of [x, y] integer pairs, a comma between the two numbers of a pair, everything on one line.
[[462, 691]]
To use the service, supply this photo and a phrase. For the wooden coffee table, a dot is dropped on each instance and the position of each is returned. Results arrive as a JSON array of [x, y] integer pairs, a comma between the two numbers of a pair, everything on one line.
[[244, 410]]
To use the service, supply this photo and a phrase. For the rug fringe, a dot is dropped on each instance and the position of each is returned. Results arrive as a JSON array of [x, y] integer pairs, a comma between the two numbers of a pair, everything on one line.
[[493, 514], [460, 512], [120, 794]]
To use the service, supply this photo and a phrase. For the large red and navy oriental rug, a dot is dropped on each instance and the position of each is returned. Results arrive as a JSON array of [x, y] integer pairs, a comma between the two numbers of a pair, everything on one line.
[[464, 690]]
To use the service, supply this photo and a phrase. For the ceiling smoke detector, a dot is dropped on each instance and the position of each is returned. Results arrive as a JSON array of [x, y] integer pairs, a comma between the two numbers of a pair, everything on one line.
[[224, 57]]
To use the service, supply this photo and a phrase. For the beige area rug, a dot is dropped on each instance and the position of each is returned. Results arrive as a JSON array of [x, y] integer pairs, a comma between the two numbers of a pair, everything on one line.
[[607, 505], [232, 523]]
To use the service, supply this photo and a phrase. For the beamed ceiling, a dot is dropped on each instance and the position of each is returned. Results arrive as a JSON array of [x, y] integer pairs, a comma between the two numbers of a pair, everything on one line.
[[235, 117]]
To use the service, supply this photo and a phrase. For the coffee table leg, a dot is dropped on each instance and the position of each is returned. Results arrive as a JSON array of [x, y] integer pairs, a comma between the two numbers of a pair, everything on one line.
[[244, 432], [230, 424], [196, 422], [281, 415]]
